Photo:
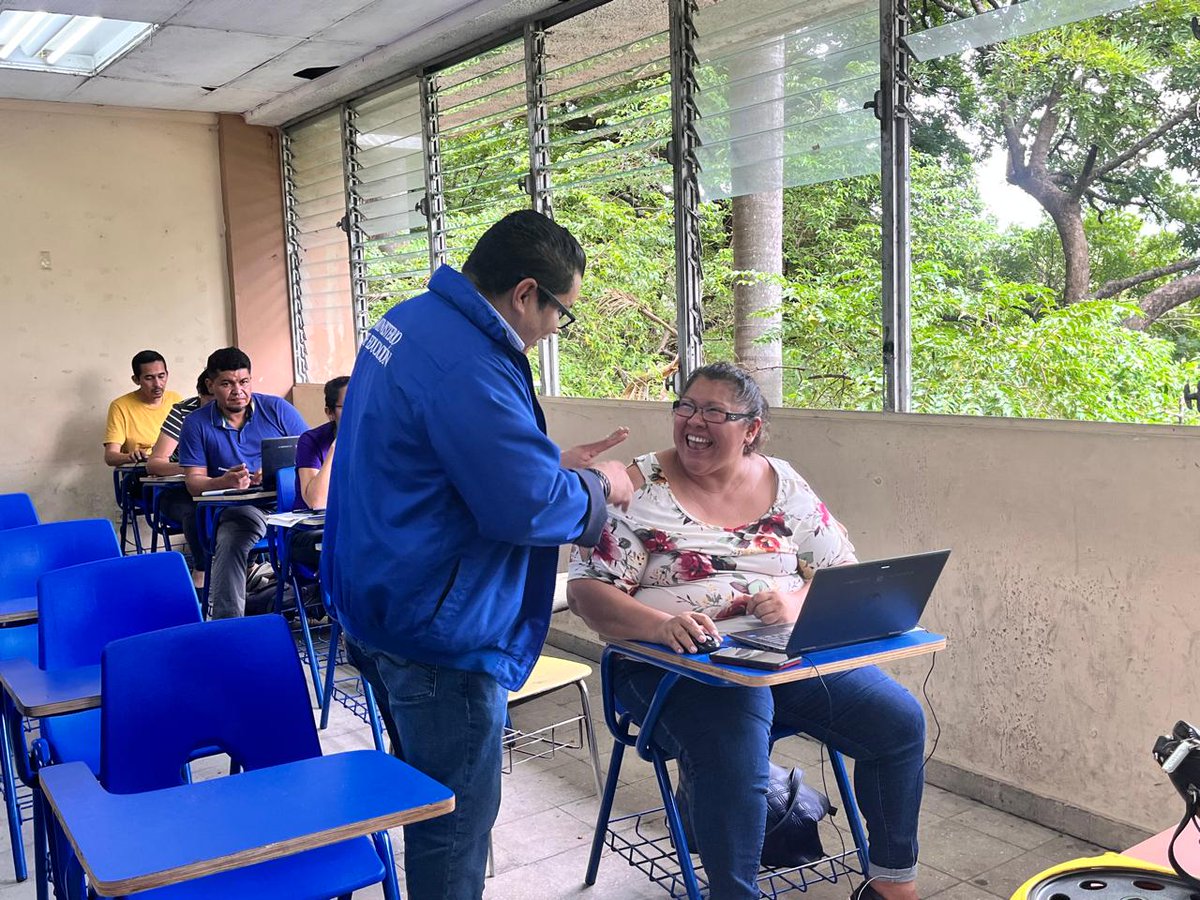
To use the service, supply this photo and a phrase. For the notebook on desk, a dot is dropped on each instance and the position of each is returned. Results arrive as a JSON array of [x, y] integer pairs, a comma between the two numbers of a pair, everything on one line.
[[851, 604]]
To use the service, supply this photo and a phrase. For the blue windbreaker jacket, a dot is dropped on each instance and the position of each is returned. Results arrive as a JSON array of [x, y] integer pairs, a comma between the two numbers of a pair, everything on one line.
[[447, 501]]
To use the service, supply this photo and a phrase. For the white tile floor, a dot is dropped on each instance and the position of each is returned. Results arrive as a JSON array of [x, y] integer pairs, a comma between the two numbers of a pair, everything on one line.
[[543, 833]]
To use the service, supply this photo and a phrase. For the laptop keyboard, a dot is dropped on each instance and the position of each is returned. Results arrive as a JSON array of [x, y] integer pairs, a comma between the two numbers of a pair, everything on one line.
[[776, 641]]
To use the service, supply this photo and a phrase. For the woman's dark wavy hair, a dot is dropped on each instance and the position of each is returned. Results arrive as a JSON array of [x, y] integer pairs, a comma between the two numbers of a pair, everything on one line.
[[746, 394]]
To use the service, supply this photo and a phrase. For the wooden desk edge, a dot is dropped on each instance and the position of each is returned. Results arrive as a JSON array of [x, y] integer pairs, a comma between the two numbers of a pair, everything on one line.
[[253, 856], [56, 708], [764, 678]]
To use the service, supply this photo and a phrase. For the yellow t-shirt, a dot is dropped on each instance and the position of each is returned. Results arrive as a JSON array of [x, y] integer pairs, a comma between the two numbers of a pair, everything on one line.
[[134, 424]]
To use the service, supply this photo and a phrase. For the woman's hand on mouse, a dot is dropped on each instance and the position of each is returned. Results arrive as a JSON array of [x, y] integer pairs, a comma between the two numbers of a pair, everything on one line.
[[681, 632]]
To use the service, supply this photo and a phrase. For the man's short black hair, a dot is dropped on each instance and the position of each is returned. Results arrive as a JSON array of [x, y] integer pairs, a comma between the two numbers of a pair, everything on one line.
[[227, 359], [144, 358], [525, 244], [202, 384], [333, 387]]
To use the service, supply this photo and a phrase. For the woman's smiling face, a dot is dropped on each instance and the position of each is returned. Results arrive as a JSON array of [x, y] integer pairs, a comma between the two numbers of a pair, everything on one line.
[[704, 446]]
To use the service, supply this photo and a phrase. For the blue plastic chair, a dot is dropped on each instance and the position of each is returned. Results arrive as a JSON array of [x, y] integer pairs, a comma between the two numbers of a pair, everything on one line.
[[25, 555], [16, 511], [80, 610], [254, 707]]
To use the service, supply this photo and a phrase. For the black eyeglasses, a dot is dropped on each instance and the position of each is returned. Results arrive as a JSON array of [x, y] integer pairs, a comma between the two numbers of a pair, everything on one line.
[[566, 318], [714, 415]]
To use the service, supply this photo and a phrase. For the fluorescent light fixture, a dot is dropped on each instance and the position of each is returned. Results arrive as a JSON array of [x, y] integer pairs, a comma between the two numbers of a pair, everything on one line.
[[32, 21], [1005, 23], [56, 42], [78, 28]]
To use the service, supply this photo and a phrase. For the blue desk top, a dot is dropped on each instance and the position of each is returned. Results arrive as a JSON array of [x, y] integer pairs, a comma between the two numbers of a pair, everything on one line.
[[36, 692], [698, 666], [134, 842]]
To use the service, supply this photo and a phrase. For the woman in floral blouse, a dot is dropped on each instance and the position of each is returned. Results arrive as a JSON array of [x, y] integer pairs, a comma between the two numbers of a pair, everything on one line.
[[718, 531]]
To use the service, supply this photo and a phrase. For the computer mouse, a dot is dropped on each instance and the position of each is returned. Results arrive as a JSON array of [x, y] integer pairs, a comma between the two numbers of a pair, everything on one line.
[[706, 643]]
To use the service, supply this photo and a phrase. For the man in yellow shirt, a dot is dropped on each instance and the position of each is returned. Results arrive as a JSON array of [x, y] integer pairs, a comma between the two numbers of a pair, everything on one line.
[[134, 419]]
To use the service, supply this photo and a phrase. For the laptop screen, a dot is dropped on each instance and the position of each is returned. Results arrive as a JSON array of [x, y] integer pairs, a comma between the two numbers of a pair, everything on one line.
[[277, 453]]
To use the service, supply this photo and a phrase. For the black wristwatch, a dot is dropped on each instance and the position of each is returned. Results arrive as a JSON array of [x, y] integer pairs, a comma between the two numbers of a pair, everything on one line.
[[604, 482]]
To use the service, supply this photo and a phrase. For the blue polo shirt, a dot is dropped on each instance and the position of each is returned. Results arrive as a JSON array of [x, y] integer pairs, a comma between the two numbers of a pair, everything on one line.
[[208, 440]]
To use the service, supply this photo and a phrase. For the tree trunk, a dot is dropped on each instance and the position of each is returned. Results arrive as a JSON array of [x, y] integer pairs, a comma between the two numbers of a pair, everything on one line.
[[756, 168], [757, 319]]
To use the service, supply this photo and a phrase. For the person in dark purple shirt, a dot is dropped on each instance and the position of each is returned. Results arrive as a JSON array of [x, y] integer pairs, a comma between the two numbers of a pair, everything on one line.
[[314, 460]]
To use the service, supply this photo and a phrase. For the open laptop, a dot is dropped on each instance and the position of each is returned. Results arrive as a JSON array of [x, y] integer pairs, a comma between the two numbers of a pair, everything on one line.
[[851, 604], [277, 453]]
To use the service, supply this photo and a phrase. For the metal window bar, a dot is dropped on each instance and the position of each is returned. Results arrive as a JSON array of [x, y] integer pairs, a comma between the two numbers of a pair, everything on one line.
[[435, 204], [538, 187], [295, 300], [352, 225], [892, 110], [684, 140]]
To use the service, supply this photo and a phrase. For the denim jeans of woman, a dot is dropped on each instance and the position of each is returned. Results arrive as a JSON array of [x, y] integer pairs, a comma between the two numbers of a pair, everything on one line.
[[721, 736]]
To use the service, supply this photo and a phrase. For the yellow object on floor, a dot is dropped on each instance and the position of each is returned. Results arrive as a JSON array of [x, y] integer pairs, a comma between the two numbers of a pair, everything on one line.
[[1099, 876]]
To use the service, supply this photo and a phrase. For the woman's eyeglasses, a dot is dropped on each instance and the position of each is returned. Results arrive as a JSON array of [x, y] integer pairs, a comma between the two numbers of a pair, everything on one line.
[[714, 415]]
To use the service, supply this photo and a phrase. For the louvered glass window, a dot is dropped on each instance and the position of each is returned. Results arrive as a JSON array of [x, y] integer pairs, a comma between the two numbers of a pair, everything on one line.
[[390, 234], [790, 163], [782, 89], [323, 311], [608, 105], [484, 139]]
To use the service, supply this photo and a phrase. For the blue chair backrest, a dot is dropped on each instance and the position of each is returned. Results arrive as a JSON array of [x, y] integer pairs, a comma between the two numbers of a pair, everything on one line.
[[83, 608], [16, 511], [28, 553], [232, 684], [287, 490]]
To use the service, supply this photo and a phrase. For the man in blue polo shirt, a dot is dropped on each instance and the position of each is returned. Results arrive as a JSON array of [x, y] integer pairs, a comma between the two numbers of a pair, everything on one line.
[[220, 447]]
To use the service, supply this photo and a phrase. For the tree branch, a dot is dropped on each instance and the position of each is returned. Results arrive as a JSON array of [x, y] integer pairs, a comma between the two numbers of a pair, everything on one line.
[[1163, 299], [1117, 161], [1046, 130], [948, 7], [1120, 285]]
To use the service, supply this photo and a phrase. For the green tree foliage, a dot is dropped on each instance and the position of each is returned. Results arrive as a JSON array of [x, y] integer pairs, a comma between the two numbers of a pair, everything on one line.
[[991, 335]]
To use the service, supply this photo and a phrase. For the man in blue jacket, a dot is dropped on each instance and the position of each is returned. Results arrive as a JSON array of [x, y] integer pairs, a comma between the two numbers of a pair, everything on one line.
[[447, 506]]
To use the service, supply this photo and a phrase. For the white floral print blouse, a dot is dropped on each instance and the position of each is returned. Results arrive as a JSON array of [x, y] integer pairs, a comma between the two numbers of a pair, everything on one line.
[[671, 561]]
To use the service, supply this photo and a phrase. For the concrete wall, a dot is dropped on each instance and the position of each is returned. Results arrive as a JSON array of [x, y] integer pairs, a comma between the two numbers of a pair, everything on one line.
[[252, 203], [126, 205], [1069, 601]]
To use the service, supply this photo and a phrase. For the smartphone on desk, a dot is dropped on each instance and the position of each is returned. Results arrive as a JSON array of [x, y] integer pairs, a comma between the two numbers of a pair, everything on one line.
[[754, 659]]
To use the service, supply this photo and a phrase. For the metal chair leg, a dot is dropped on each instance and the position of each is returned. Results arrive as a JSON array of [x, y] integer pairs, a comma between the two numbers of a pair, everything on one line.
[[606, 803], [586, 706], [383, 846], [850, 805], [335, 635], [16, 838]]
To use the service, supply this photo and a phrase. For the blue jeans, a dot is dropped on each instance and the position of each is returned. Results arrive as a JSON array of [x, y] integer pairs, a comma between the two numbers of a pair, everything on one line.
[[448, 724], [721, 737]]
